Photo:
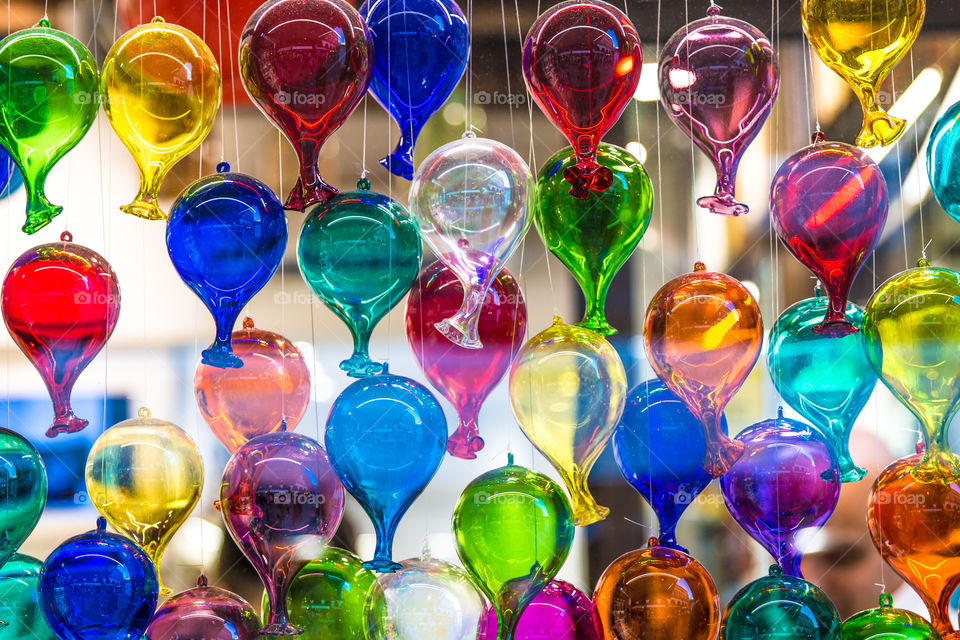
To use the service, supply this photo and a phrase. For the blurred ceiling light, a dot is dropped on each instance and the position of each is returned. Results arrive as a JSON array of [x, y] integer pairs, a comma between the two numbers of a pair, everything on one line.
[[911, 104], [648, 90], [455, 114], [638, 151]]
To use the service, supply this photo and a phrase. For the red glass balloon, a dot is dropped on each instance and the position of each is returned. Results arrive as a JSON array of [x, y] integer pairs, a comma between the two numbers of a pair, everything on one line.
[[703, 334], [306, 65], [463, 376], [829, 204], [581, 63], [60, 302]]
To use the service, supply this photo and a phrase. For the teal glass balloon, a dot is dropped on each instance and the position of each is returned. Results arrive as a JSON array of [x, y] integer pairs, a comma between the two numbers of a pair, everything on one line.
[[777, 607], [20, 614], [23, 491], [943, 161], [887, 623], [360, 252], [827, 380], [49, 92]]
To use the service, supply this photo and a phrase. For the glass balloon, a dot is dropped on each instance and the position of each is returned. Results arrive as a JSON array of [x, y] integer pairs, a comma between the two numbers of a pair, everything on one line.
[[703, 333], [559, 612], [786, 483], [887, 622], [145, 476], [306, 64], [861, 42], [23, 491], [420, 51], [20, 612], [828, 203], [645, 448], [911, 326], [271, 389], [359, 251], [327, 597], [281, 502], [582, 63], [567, 390], [594, 237], [9, 174], [472, 199], [386, 435], [161, 93], [204, 613], [60, 303], [514, 529], [657, 593], [465, 377], [98, 586], [719, 78], [226, 237], [48, 86], [943, 160], [780, 606], [830, 397]]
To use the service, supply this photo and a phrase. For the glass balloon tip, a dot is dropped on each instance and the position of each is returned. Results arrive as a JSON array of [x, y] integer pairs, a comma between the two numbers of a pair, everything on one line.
[[281, 629], [66, 423], [835, 328], [382, 565], [458, 334], [359, 365], [723, 204], [220, 356]]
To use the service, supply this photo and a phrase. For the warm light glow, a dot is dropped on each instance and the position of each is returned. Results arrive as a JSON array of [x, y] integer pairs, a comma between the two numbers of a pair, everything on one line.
[[911, 104], [648, 89], [638, 151]]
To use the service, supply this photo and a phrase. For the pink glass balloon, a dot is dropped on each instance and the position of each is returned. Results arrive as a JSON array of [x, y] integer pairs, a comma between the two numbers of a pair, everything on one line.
[[719, 78], [465, 377], [582, 63], [272, 388], [559, 612], [204, 613], [829, 205], [281, 502]]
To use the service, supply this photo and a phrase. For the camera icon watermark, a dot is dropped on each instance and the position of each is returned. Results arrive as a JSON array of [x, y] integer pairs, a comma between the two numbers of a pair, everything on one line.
[[95, 298], [498, 98], [298, 98]]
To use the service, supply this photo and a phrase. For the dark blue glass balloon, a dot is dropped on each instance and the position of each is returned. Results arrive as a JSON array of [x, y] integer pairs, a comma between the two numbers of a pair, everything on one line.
[[420, 51], [386, 436], [98, 586], [226, 237], [659, 448], [10, 178]]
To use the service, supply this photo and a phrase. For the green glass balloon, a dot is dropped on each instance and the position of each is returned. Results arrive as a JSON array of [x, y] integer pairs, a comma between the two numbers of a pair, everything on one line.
[[777, 607], [20, 612], [49, 92], [826, 380], [23, 491], [327, 597], [513, 528], [360, 252], [595, 236], [887, 623]]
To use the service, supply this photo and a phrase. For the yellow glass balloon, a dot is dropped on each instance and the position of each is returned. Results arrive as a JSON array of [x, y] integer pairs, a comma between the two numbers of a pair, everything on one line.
[[911, 331], [161, 90], [568, 388], [862, 40], [145, 476]]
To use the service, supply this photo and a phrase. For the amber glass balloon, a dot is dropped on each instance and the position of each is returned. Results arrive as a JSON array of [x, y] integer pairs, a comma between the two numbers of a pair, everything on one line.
[[703, 333], [656, 593]]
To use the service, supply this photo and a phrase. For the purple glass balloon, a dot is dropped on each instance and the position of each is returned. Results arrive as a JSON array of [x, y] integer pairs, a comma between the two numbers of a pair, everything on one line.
[[207, 613], [787, 481], [281, 502], [718, 80], [559, 612]]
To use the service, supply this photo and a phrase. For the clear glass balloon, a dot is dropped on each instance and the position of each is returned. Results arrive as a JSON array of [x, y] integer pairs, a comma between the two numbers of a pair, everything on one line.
[[161, 92], [145, 476], [20, 614], [567, 390], [204, 613], [472, 199], [886, 622]]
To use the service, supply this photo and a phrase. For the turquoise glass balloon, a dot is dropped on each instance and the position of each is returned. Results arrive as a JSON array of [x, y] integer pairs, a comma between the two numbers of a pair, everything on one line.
[[827, 380], [23, 491], [360, 252], [943, 161], [20, 614]]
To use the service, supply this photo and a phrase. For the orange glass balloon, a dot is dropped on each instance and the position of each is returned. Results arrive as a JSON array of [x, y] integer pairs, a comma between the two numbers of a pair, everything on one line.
[[916, 526], [657, 593], [272, 387], [703, 333]]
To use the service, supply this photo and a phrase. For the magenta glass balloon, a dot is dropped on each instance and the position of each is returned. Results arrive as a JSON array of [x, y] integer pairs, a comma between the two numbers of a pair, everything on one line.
[[559, 612], [719, 78], [829, 205], [787, 481], [281, 502], [204, 613]]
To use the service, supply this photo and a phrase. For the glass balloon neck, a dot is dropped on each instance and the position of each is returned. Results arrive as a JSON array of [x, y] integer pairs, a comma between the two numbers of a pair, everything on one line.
[[223, 167], [101, 524], [44, 22], [886, 601]]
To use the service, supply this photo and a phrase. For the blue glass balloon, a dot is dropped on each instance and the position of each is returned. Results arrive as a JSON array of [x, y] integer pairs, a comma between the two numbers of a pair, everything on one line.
[[659, 447], [98, 586], [420, 51], [943, 161], [226, 236], [14, 184], [386, 435], [20, 616], [9, 174]]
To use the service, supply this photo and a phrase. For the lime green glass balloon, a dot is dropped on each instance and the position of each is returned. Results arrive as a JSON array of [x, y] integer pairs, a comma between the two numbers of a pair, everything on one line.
[[911, 330], [887, 623], [514, 529], [23, 491], [327, 597], [595, 236], [20, 614], [48, 89]]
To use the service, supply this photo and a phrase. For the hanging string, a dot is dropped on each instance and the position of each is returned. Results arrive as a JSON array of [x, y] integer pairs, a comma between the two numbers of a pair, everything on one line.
[[916, 151], [903, 208], [506, 61], [223, 112], [363, 148], [663, 260], [693, 159], [233, 85], [531, 152], [468, 98]]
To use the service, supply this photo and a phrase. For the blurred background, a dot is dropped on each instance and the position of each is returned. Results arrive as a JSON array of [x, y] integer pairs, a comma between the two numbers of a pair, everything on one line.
[[151, 358]]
